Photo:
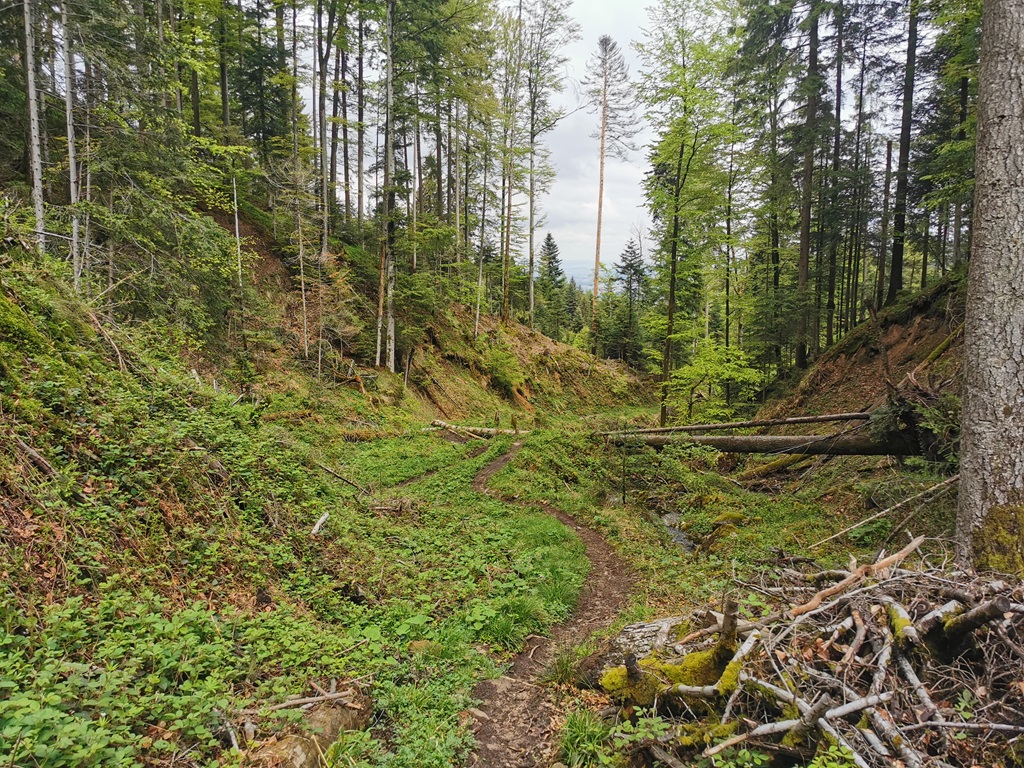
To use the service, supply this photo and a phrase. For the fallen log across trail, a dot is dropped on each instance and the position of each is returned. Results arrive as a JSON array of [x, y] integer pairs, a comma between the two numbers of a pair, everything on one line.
[[828, 445], [479, 431], [826, 417]]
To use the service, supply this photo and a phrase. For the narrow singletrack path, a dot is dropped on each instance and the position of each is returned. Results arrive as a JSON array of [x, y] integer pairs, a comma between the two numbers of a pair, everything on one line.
[[513, 724]]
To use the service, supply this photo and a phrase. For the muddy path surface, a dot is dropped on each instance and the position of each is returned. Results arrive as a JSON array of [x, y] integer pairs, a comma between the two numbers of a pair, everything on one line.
[[513, 723]]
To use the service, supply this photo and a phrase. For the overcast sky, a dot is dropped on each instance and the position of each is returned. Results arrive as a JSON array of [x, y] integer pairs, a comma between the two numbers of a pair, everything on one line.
[[571, 206]]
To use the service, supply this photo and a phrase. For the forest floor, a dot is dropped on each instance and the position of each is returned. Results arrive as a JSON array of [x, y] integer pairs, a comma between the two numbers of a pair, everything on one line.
[[516, 720]]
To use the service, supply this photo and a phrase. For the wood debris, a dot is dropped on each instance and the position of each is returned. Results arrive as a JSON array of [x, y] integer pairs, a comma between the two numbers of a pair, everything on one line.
[[895, 666]]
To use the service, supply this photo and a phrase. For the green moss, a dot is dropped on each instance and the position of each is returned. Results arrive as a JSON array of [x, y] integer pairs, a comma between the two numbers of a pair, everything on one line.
[[700, 735], [697, 668], [790, 712], [730, 679], [999, 542], [899, 624], [642, 692], [16, 326], [731, 518]]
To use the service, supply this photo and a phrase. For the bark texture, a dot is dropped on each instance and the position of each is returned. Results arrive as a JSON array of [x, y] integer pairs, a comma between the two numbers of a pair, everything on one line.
[[989, 521]]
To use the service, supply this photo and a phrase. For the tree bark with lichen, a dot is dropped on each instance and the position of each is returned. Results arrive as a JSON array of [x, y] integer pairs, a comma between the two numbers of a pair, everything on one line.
[[990, 528]]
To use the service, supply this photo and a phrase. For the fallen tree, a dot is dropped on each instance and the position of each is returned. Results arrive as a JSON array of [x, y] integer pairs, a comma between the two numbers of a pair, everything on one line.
[[479, 431], [829, 445], [827, 417]]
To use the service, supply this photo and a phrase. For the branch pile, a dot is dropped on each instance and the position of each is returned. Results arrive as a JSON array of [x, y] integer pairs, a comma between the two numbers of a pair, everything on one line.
[[898, 667]]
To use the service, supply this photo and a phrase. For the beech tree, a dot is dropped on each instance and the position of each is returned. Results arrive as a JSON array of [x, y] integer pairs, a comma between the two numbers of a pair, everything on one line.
[[991, 509]]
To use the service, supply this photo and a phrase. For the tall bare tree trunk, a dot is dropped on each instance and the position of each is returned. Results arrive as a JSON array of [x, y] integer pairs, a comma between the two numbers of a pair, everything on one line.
[[360, 114], [880, 288], [837, 129], [483, 232], [389, 180], [34, 131], [297, 171], [991, 513], [899, 219], [600, 207], [804, 260], [666, 360], [961, 135], [69, 114]]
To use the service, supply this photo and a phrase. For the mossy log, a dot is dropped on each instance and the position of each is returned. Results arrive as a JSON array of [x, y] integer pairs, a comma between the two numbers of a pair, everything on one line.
[[827, 445]]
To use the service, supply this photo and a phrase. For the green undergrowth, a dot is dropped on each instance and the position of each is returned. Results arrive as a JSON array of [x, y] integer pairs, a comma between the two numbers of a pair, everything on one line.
[[160, 574], [731, 530]]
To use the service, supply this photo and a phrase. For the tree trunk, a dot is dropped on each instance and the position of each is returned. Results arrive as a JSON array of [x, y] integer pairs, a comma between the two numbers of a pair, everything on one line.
[[666, 360], [69, 113], [360, 113], [296, 169], [899, 223], [880, 287], [755, 423], [991, 462], [600, 206], [961, 134], [222, 62], [837, 129], [483, 231], [811, 445], [34, 131], [389, 179], [804, 261]]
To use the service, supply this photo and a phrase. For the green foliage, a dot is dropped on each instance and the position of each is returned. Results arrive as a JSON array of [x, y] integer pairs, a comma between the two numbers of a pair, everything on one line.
[[86, 682], [833, 756], [500, 363], [713, 381], [735, 758]]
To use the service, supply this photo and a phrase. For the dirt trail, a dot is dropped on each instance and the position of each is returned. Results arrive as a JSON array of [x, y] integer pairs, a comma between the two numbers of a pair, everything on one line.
[[514, 730]]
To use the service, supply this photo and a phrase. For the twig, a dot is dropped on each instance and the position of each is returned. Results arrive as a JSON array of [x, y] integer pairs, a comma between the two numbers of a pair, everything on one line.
[[346, 694], [343, 479], [320, 523]]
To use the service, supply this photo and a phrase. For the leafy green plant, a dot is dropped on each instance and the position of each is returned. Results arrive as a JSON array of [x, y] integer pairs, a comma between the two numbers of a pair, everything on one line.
[[735, 758], [834, 756]]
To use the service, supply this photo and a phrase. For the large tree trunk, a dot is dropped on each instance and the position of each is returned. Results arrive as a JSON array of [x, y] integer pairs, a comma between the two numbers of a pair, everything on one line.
[[991, 461], [828, 445], [804, 261], [899, 219], [834, 236]]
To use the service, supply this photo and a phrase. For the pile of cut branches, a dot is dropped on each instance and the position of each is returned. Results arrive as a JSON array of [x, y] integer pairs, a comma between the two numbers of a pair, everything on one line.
[[894, 666]]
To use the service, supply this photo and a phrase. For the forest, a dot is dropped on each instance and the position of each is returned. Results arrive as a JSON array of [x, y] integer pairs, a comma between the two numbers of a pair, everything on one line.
[[318, 449]]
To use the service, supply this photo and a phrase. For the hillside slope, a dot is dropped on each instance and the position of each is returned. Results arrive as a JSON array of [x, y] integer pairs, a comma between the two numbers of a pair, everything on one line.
[[185, 539]]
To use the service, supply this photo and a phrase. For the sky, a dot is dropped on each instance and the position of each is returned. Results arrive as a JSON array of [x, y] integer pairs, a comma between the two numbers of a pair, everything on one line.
[[571, 205]]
